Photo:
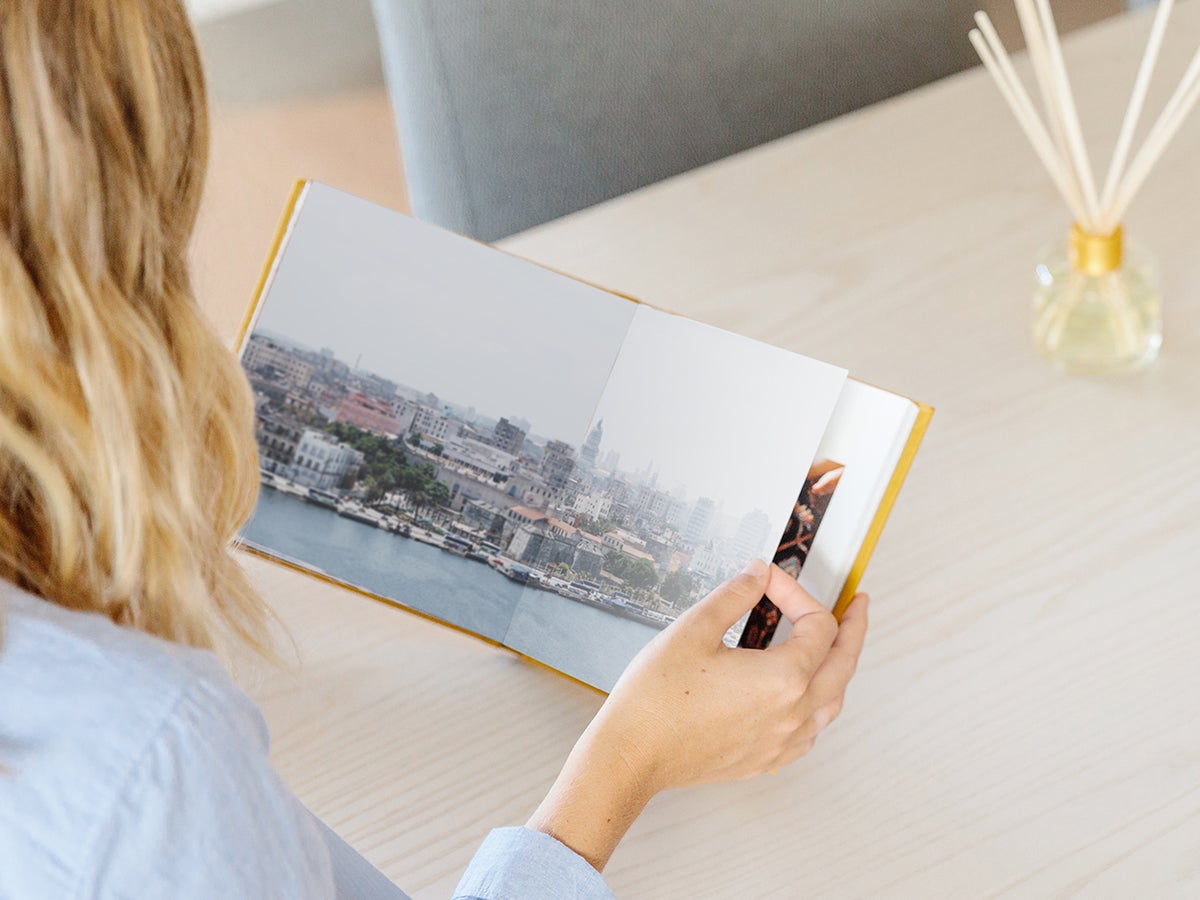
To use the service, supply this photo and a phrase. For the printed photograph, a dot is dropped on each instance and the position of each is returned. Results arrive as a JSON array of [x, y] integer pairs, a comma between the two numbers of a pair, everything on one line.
[[419, 397], [794, 546]]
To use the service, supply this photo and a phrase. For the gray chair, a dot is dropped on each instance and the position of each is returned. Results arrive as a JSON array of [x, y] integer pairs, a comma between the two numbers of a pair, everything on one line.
[[514, 112]]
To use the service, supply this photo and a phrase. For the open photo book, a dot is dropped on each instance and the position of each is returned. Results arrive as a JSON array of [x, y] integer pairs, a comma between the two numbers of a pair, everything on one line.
[[543, 463]]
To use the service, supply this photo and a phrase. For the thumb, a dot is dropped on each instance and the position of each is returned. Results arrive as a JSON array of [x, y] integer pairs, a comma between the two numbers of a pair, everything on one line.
[[717, 612]]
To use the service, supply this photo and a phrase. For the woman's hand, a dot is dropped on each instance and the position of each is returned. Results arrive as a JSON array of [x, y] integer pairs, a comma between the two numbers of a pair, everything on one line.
[[690, 710]]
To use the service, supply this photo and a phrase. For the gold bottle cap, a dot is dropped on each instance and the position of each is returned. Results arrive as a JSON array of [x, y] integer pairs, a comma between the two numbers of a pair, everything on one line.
[[1096, 254]]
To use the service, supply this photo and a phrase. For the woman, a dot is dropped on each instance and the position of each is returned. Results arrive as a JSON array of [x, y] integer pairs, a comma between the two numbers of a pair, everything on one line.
[[131, 765]]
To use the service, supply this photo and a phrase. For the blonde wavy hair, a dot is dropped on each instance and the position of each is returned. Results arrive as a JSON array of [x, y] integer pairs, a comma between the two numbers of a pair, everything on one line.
[[127, 455]]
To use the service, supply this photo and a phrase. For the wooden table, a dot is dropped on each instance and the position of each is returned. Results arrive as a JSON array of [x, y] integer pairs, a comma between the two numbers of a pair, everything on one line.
[[1024, 722]]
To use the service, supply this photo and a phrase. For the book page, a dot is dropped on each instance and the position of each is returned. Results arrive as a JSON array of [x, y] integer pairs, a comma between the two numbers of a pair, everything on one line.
[[867, 433], [693, 461], [855, 463], [414, 391]]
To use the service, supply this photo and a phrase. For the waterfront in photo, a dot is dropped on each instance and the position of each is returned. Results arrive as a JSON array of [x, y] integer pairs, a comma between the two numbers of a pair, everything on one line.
[[583, 641], [587, 643]]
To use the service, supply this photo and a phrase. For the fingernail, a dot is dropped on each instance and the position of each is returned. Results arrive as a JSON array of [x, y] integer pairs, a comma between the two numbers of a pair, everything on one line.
[[755, 567]]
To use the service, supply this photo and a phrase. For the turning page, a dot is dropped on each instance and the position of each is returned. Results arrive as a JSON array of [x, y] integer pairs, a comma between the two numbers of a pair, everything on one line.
[[695, 454]]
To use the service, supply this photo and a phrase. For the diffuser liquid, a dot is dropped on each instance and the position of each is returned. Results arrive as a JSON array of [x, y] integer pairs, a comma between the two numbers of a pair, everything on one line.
[[1096, 324]]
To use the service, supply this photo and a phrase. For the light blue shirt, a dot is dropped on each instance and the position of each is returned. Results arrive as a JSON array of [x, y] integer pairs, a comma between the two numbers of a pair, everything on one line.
[[131, 767]]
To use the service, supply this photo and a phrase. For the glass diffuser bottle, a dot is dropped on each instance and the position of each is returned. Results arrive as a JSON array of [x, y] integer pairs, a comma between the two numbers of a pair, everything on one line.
[[1097, 308]]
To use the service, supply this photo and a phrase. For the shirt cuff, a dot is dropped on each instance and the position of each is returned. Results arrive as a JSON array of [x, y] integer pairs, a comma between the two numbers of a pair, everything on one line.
[[522, 864]]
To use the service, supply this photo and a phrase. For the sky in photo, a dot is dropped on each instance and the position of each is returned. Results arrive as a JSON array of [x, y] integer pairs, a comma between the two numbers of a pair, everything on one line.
[[730, 418], [441, 313]]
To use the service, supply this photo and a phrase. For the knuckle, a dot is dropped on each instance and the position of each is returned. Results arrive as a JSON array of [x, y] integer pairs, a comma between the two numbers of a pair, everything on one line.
[[804, 679], [827, 623], [793, 723], [824, 716], [738, 586], [742, 584], [807, 732], [788, 686], [835, 708], [797, 691]]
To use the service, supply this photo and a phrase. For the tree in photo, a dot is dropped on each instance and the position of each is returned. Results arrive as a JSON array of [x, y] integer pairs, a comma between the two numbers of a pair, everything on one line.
[[639, 574], [678, 587]]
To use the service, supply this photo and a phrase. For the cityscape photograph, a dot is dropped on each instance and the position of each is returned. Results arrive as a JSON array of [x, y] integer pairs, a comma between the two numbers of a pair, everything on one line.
[[538, 511]]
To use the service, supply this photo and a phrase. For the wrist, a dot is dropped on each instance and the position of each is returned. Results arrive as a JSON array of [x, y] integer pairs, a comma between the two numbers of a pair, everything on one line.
[[596, 797]]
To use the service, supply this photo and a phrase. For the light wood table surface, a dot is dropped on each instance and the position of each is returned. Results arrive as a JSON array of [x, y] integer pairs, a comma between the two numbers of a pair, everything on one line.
[[1024, 722]]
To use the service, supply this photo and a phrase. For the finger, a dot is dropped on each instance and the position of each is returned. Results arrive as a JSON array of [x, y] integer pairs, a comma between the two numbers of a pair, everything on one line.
[[813, 633], [794, 752], [841, 662], [793, 600], [804, 738], [717, 612], [824, 715]]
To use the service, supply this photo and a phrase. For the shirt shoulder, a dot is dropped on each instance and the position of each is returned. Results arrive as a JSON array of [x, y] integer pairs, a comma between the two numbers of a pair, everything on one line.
[[135, 767]]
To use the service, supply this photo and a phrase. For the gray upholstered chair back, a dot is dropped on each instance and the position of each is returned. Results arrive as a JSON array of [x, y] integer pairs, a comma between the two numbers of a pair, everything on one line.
[[514, 112]]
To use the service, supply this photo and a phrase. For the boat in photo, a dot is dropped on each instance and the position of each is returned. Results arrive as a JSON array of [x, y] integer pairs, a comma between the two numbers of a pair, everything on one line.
[[427, 537], [456, 545], [514, 571], [397, 526], [322, 498], [356, 513]]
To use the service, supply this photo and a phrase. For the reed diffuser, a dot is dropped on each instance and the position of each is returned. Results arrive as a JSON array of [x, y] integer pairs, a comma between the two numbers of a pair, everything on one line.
[[1097, 307]]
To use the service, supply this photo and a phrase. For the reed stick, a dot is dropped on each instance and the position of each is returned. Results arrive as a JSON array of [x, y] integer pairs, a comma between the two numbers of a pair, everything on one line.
[[1058, 139], [1031, 123], [1182, 102], [1095, 314], [1070, 115], [1023, 108], [1036, 46], [1133, 111]]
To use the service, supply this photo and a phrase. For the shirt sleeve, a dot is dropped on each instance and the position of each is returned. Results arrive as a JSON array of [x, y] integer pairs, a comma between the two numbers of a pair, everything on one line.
[[354, 877], [203, 814], [522, 864]]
